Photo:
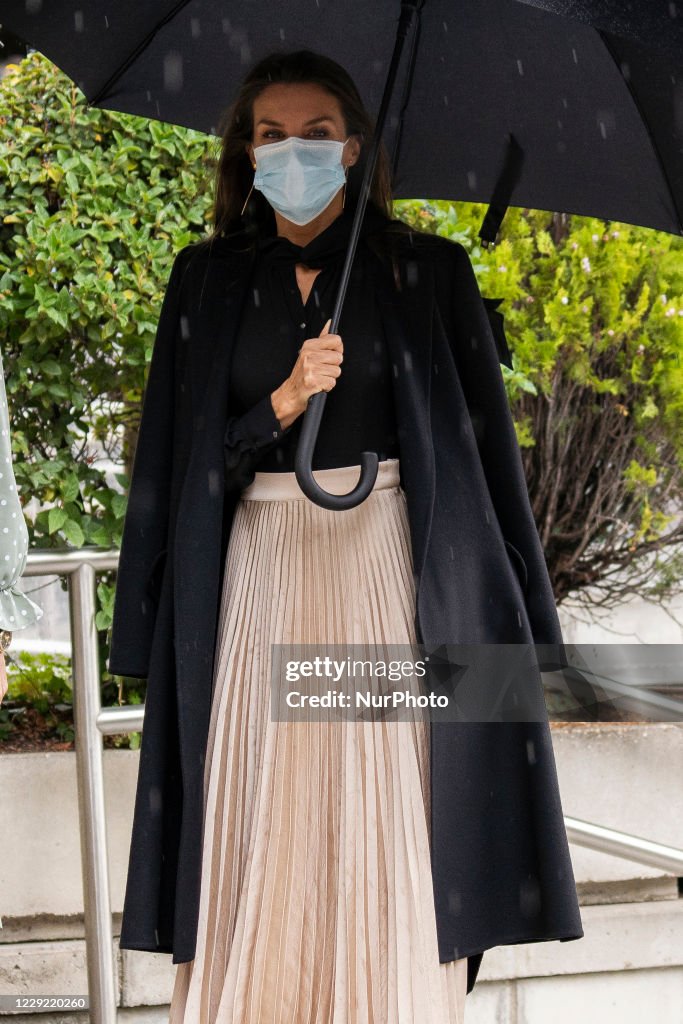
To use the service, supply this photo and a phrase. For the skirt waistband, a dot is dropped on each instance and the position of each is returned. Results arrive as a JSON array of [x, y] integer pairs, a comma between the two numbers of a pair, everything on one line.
[[340, 480]]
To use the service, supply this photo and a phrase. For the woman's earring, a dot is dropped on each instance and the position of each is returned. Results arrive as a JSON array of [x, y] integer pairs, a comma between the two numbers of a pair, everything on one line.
[[346, 175]]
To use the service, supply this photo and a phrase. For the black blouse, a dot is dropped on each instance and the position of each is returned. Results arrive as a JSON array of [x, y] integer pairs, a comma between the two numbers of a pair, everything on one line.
[[359, 411]]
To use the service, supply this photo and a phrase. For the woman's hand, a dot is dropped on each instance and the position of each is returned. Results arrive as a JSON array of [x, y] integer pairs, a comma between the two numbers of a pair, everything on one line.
[[316, 369]]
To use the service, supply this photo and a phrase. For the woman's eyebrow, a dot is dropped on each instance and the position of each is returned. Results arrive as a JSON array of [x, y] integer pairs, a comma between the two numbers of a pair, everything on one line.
[[314, 120]]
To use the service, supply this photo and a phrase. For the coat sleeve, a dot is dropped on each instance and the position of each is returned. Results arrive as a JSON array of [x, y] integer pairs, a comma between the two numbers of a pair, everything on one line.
[[477, 362], [144, 540], [247, 439]]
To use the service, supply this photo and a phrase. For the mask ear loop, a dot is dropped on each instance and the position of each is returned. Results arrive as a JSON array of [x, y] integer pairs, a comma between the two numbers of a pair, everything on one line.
[[248, 194]]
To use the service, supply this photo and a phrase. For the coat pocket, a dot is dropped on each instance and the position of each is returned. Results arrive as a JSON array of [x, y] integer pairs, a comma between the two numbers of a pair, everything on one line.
[[519, 564], [155, 576]]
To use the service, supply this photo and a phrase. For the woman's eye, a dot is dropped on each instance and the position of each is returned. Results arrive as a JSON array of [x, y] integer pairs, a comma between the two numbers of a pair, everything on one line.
[[315, 132]]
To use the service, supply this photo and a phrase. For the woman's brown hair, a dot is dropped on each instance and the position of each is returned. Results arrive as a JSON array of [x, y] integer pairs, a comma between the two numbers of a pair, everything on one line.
[[234, 176]]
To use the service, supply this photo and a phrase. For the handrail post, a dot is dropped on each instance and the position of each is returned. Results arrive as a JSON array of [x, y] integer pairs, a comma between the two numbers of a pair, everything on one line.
[[101, 961]]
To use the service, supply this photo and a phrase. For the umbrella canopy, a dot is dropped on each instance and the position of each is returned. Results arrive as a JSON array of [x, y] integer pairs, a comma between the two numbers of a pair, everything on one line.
[[595, 100]]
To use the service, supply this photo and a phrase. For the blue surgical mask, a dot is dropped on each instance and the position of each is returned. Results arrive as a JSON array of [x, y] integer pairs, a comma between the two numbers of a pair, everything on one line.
[[299, 177]]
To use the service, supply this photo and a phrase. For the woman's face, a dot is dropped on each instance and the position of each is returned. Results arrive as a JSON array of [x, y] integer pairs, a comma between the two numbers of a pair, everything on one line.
[[303, 109]]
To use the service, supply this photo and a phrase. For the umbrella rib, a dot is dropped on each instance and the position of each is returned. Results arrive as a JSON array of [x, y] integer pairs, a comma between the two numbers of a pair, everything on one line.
[[144, 43], [645, 121], [407, 89]]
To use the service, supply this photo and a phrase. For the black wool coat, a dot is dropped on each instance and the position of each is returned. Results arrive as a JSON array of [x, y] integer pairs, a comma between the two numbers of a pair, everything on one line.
[[500, 859]]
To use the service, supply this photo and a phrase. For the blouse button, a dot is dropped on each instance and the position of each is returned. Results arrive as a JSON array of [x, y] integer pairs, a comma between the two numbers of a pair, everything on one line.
[[302, 325]]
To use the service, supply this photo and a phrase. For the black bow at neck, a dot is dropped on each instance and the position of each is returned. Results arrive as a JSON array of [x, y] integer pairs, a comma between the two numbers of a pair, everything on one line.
[[329, 246]]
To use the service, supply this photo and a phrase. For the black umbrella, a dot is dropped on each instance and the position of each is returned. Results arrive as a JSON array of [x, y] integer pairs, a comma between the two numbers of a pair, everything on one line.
[[554, 104]]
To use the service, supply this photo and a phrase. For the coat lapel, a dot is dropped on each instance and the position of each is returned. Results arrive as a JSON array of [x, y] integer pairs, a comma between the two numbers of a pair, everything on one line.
[[407, 315], [197, 541]]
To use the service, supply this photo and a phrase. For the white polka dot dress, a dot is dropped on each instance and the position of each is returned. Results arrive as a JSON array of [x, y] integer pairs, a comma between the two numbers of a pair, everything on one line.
[[16, 609]]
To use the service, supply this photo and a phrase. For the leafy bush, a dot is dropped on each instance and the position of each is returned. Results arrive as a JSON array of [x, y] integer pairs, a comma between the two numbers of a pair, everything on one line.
[[594, 320], [93, 207], [40, 689]]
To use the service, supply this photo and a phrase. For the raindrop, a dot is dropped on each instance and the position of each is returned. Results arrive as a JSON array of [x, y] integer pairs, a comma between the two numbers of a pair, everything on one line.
[[625, 69], [149, 96], [79, 23], [214, 482], [445, 100], [454, 902], [529, 897], [673, 12], [472, 180], [257, 297], [445, 26], [106, 21], [194, 28], [173, 72], [530, 752], [520, 67], [605, 120], [575, 56], [282, 33]]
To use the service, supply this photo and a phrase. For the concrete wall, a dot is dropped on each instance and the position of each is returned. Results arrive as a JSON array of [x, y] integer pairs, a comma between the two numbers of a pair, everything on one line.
[[628, 967]]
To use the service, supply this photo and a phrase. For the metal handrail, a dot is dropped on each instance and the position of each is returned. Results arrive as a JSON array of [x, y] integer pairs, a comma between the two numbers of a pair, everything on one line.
[[91, 721], [80, 566], [622, 844]]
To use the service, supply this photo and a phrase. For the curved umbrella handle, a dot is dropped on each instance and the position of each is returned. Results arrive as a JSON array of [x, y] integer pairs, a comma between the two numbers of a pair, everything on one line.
[[304, 459]]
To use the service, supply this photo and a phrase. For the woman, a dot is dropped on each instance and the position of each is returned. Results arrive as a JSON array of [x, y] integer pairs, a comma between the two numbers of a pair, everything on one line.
[[311, 896]]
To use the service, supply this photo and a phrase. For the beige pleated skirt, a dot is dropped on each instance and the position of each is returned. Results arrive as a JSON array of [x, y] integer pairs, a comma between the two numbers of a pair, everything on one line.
[[316, 903]]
